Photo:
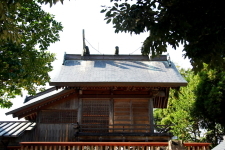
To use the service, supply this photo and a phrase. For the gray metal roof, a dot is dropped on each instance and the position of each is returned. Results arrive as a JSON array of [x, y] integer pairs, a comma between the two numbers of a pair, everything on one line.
[[15, 128], [39, 98], [118, 73], [220, 146], [41, 95]]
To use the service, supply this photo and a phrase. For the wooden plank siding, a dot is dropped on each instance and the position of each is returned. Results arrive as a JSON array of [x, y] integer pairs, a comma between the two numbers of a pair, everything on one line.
[[56, 132], [95, 115], [95, 112], [131, 111], [56, 122]]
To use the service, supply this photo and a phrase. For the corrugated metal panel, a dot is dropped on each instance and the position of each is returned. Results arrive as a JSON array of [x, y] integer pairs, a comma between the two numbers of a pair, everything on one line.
[[15, 128]]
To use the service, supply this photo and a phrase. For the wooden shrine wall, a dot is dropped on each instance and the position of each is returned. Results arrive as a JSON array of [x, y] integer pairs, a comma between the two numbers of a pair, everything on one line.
[[95, 114], [131, 112], [55, 123]]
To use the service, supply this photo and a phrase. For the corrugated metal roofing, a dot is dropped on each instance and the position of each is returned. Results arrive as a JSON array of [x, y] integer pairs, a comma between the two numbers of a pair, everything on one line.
[[117, 73], [15, 128]]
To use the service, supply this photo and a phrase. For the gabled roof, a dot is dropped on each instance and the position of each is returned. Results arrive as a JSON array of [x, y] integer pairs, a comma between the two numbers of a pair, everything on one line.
[[117, 70], [15, 128]]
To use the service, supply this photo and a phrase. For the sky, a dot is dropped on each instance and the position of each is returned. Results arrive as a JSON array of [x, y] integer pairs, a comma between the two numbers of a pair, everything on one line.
[[77, 15]]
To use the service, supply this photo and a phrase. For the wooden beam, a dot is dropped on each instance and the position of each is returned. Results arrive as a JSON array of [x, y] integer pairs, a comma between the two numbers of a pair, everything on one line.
[[98, 143], [151, 118], [114, 96]]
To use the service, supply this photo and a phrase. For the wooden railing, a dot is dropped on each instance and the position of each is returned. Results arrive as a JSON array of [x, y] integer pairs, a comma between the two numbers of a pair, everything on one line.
[[197, 146], [102, 128], [104, 146]]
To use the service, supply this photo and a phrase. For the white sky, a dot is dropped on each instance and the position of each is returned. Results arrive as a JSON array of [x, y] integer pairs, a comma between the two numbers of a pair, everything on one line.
[[77, 15]]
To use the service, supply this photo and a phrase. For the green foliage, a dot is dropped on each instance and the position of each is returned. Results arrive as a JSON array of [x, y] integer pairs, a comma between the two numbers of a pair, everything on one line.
[[197, 25], [210, 102], [211, 95], [26, 32], [196, 111], [180, 105]]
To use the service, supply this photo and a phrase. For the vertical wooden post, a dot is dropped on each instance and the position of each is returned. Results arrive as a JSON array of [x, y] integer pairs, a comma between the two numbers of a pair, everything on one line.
[[151, 118], [79, 114], [111, 118], [131, 116], [37, 130]]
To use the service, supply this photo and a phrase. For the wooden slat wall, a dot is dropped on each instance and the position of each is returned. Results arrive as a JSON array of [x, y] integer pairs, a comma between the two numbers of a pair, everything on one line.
[[95, 112], [56, 122], [58, 116], [122, 114], [140, 113], [128, 111], [56, 132], [69, 104]]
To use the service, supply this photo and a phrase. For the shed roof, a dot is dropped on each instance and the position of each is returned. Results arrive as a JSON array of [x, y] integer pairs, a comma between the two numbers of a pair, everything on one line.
[[117, 71], [40, 100], [15, 128]]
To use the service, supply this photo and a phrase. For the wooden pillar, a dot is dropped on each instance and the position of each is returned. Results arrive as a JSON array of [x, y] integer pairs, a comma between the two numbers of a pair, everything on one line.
[[131, 116], [111, 120], [151, 118], [37, 130], [79, 114]]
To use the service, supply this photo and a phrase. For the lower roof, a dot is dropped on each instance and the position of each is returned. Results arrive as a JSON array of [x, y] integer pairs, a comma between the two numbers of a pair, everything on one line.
[[15, 128]]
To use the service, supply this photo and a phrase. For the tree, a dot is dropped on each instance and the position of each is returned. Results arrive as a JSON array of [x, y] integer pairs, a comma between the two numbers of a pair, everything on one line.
[[196, 111], [210, 102], [197, 25], [178, 112], [26, 33], [9, 14]]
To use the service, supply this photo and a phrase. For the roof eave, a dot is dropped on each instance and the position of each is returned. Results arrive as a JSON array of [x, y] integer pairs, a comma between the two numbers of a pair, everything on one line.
[[145, 84], [34, 103]]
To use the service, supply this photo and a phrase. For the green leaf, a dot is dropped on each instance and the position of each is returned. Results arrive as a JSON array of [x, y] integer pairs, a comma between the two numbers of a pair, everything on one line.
[[103, 10], [108, 21]]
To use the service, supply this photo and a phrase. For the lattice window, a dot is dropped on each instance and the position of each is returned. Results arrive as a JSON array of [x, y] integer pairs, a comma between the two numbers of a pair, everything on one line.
[[58, 116], [95, 115]]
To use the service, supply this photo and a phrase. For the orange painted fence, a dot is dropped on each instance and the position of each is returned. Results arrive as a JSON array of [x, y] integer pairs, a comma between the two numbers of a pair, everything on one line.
[[103, 146]]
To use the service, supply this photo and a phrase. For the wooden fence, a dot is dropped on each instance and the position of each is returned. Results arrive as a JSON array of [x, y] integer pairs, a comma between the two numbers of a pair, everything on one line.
[[104, 146]]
